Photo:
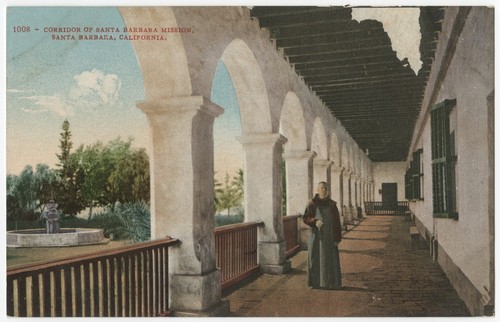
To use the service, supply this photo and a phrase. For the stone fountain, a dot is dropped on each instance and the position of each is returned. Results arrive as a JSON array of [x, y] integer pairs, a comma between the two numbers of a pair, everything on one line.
[[53, 235]]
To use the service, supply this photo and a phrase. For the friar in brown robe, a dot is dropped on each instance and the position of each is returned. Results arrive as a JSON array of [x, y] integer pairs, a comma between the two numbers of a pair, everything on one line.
[[322, 216]]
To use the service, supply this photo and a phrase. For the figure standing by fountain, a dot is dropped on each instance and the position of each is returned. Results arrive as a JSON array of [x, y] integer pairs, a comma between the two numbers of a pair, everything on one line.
[[51, 216]]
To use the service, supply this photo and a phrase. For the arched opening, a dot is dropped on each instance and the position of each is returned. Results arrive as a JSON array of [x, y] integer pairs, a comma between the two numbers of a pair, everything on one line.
[[249, 87], [261, 155], [165, 75], [228, 152], [336, 180], [295, 160], [319, 145]]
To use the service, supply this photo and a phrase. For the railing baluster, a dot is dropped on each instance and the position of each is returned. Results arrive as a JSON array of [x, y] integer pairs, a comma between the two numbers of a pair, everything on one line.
[[47, 298], [68, 297], [104, 277], [35, 297], [140, 284], [112, 291], [78, 291], [10, 296], [57, 293], [150, 283], [95, 288], [119, 284], [21, 296], [133, 285], [156, 253], [126, 278], [87, 289]]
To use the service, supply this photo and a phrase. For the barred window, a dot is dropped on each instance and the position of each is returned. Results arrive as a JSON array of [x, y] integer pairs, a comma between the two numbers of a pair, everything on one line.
[[417, 175], [408, 184], [443, 161]]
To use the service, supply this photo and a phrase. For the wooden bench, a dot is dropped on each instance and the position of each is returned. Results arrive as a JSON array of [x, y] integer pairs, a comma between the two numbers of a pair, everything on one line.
[[408, 216], [414, 237]]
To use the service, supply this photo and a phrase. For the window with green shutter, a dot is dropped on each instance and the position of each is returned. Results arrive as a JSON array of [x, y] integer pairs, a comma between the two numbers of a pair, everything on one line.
[[443, 161], [408, 184], [417, 175]]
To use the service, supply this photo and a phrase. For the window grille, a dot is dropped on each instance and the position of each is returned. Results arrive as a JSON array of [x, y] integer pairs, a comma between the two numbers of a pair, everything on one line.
[[443, 161]]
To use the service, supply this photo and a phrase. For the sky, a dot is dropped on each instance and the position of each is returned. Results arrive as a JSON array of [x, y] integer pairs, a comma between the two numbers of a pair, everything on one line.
[[93, 84]]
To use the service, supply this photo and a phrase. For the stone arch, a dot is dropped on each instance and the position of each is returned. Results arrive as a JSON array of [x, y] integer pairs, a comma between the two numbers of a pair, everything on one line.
[[165, 75], [292, 123], [250, 87], [318, 139]]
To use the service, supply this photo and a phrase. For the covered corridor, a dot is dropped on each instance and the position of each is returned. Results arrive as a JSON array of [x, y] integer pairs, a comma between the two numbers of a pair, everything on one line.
[[323, 98], [381, 276]]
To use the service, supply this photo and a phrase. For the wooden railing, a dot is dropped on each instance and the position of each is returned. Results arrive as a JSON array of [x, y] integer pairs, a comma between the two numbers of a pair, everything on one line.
[[291, 230], [378, 208], [128, 281], [236, 249]]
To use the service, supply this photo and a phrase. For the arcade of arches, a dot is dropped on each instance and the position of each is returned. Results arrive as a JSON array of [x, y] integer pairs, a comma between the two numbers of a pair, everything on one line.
[[278, 112]]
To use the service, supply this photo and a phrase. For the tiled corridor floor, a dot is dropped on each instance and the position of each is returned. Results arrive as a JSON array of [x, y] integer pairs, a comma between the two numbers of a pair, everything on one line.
[[381, 276]]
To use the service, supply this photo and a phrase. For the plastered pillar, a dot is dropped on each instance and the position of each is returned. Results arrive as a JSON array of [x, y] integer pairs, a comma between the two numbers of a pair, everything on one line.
[[336, 187], [346, 174], [353, 196], [299, 187], [182, 199], [263, 197], [321, 172]]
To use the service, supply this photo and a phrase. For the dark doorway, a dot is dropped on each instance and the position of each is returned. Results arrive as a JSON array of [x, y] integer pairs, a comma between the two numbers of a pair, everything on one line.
[[389, 196]]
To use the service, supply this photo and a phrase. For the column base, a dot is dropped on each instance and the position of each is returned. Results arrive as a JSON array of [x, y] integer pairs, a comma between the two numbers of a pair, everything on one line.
[[272, 258], [276, 269], [220, 309], [194, 292]]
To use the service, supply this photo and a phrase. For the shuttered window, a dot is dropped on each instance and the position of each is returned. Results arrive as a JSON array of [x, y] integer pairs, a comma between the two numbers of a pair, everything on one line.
[[408, 184], [443, 161], [417, 175]]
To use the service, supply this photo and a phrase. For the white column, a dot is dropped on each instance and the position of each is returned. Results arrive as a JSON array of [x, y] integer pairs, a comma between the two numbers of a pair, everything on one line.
[[299, 187], [346, 202], [263, 197], [182, 199], [336, 188], [321, 172], [354, 196]]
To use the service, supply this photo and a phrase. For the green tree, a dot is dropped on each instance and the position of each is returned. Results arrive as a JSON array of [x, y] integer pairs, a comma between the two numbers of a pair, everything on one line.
[[71, 177], [30, 191], [237, 186], [129, 181], [45, 184], [229, 194], [93, 161]]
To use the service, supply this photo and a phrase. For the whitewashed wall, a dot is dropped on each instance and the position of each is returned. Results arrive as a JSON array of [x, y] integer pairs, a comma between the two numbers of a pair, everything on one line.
[[389, 172], [464, 244]]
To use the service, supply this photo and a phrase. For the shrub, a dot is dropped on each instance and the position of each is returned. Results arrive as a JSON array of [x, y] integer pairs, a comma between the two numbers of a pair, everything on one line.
[[222, 220]]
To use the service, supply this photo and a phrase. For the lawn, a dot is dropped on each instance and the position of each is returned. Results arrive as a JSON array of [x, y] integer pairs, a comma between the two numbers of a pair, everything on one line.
[[20, 256]]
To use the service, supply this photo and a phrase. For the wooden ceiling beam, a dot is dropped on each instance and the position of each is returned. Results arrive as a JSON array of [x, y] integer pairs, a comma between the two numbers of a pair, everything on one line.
[[407, 87], [306, 17], [371, 68], [329, 97], [365, 52], [320, 49], [365, 82], [329, 38], [363, 75], [383, 79], [278, 11], [321, 28]]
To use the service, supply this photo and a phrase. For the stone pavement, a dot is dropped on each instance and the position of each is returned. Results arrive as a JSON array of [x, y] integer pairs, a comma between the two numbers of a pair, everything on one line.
[[381, 276]]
